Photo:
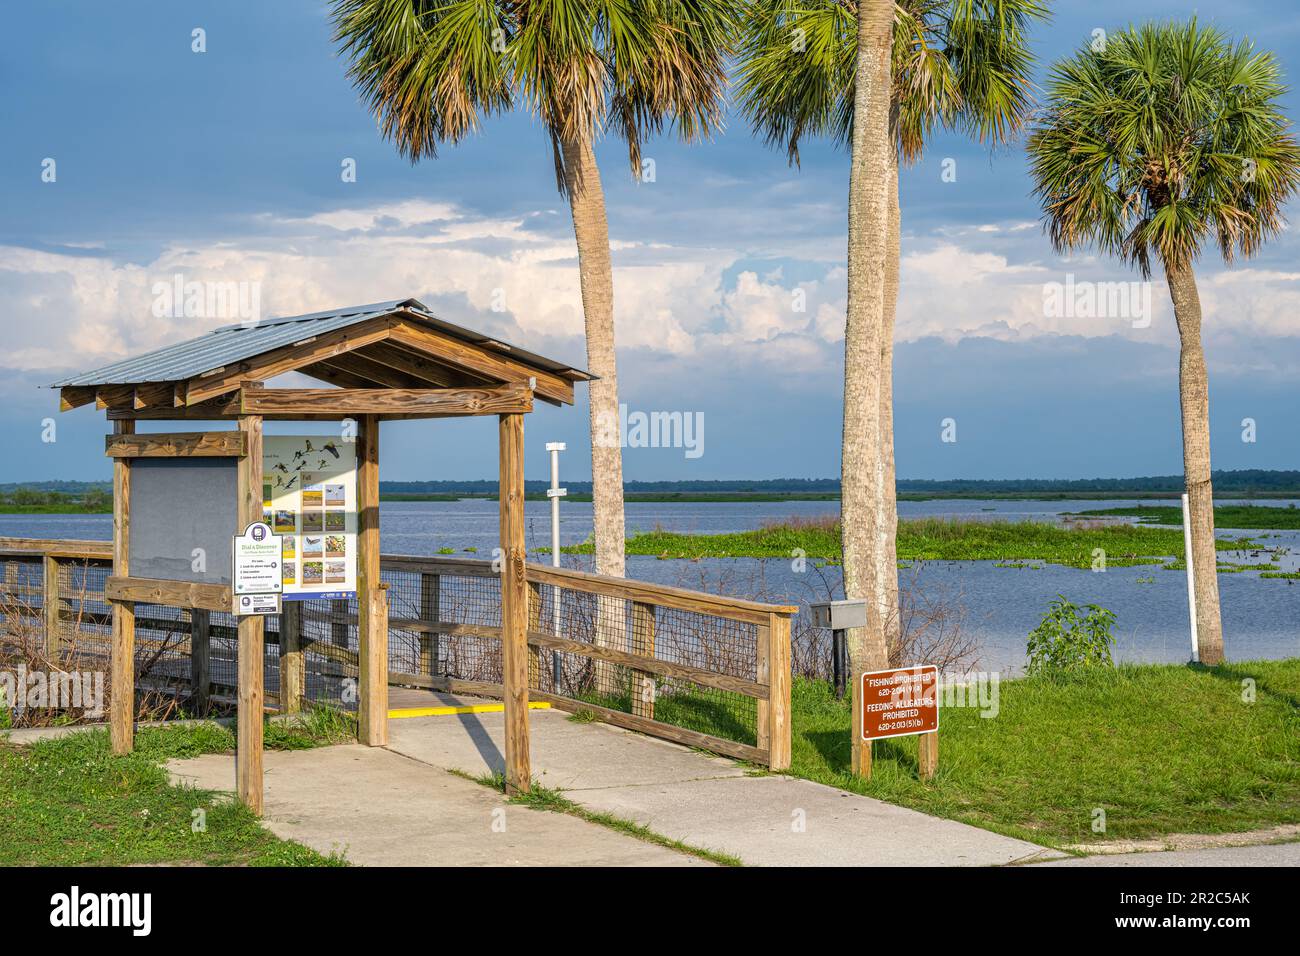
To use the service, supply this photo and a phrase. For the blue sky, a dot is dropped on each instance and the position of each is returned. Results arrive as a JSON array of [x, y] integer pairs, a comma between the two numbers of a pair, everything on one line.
[[225, 166]]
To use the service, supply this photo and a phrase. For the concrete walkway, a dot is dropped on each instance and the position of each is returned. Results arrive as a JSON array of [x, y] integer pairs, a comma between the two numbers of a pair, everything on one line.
[[708, 802], [382, 809], [1265, 854]]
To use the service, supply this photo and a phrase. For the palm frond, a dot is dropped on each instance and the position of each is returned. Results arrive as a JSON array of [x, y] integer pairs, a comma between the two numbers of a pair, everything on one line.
[[1170, 135]]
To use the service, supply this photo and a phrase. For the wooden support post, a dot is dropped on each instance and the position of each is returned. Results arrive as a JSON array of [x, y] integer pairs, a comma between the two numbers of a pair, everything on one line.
[[53, 602], [372, 626], [122, 702], [534, 624], [763, 660], [514, 604], [431, 613], [643, 643], [339, 611], [248, 744], [927, 754], [778, 696], [200, 658], [292, 675]]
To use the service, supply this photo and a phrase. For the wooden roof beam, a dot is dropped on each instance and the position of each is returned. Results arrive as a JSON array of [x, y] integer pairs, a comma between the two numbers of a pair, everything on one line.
[[420, 367], [74, 396], [374, 374], [426, 402], [480, 361], [290, 358]]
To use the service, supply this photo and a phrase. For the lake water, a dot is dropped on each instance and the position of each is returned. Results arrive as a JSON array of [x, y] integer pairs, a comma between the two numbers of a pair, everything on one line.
[[999, 606]]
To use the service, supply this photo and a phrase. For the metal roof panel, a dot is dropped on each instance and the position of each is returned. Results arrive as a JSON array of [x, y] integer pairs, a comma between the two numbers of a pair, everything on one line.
[[236, 343]]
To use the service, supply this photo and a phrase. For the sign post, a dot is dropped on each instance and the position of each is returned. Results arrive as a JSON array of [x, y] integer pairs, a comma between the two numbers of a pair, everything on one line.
[[256, 582], [838, 617], [555, 493], [899, 702], [1191, 580]]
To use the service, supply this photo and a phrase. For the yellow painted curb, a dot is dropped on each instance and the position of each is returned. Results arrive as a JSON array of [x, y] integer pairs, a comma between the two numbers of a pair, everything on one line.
[[399, 713]]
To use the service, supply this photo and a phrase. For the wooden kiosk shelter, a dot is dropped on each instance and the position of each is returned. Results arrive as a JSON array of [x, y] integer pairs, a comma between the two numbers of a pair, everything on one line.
[[390, 360]]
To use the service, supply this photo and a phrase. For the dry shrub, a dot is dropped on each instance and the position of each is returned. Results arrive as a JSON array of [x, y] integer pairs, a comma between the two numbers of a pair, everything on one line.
[[23, 646], [931, 621]]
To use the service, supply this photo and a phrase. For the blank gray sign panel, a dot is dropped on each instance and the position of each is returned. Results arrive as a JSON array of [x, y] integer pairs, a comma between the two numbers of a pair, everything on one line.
[[178, 505]]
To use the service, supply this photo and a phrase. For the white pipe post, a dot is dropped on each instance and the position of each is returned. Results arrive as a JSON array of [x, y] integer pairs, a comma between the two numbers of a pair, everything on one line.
[[555, 493], [1191, 581]]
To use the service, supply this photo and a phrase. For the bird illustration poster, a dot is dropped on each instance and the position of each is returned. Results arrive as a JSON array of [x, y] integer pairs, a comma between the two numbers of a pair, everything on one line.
[[310, 484]]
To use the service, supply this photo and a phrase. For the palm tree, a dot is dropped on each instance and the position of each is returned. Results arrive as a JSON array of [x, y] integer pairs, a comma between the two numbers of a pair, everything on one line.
[[955, 64], [1165, 136], [432, 70]]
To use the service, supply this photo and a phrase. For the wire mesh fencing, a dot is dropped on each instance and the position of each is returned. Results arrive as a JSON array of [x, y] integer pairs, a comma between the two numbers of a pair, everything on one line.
[[689, 666]]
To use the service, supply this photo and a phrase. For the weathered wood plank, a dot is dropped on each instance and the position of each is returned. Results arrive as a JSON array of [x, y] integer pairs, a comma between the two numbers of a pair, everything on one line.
[[734, 609], [248, 744], [177, 445], [480, 361], [430, 402], [286, 359], [534, 624], [656, 728], [200, 658], [122, 663], [430, 374], [649, 665], [52, 603], [74, 396], [34, 547], [209, 597], [779, 726], [372, 633], [430, 610], [643, 645], [514, 604], [927, 754], [466, 567], [292, 673]]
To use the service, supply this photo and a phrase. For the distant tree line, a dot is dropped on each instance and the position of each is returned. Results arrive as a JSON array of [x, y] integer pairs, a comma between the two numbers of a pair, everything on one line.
[[1245, 482]]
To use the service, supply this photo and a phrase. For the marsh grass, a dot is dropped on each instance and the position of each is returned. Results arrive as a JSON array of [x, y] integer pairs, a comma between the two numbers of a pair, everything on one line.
[[936, 539], [1237, 517]]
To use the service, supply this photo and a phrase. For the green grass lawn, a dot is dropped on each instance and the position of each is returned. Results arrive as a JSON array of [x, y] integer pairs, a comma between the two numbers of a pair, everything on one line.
[[70, 802], [1237, 517], [933, 539], [1162, 749]]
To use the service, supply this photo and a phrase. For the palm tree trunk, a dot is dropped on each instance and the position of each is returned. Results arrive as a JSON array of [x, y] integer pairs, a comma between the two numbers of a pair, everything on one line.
[[885, 560], [867, 254], [596, 275], [1194, 397]]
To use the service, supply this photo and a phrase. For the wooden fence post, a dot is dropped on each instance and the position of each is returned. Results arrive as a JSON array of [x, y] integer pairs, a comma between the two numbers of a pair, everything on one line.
[[534, 624], [643, 643], [200, 658], [927, 754], [52, 580], [122, 663], [430, 613], [292, 677], [339, 611], [514, 604], [763, 674], [372, 626], [778, 699], [250, 711]]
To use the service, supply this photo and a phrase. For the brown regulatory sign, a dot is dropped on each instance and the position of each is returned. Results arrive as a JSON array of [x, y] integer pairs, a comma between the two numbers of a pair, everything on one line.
[[899, 701]]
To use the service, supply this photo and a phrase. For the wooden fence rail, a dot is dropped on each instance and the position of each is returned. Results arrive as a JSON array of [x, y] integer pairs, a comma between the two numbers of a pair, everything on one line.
[[665, 661]]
